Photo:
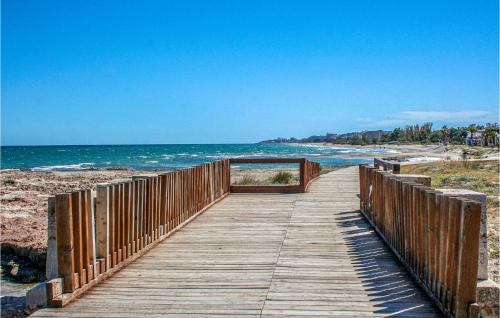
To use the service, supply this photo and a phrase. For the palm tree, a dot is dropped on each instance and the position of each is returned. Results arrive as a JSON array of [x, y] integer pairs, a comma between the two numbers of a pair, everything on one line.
[[472, 129], [445, 131], [489, 136]]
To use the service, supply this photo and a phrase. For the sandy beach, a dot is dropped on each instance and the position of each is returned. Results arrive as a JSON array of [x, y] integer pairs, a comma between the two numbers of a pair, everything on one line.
[[417, 152]]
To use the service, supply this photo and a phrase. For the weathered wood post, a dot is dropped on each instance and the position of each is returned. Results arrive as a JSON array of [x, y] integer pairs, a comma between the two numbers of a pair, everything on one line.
[[102, 215], [51, 265], [65, 247], [303, 175], [468, 257], [483, 239], [92, 235]]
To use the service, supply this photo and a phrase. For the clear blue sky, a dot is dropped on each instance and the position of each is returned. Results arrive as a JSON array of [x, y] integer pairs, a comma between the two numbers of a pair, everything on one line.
[[94, 72]]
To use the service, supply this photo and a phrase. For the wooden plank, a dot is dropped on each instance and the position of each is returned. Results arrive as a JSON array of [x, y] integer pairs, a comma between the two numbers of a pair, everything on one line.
[[112, 226], [65, 247], [76, 210], [468, 256], [265, 189], [102, 220], [119, 223], [87, 242], [433, 228], [453, 249], [302, 175], [128, 205], [163, 202]]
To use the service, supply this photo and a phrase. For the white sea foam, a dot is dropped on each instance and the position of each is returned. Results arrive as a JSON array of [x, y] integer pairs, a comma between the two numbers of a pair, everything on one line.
[[74, 167], [152, 161], [424, 159]]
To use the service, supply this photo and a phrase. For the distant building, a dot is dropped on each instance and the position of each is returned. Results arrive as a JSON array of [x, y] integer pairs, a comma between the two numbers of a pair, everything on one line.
[[474, 139], [330, 136], [482, 139], [374, 134], [315, 139]]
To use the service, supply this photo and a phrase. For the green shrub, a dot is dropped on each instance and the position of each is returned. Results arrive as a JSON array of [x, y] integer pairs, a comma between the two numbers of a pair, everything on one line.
[[282, 177], [247, 180]]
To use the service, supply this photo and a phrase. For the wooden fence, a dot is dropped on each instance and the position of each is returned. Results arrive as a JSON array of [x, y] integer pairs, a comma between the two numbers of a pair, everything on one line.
[[387, 165], [129, 218], [98, 233], [436, 236], [309, 170]]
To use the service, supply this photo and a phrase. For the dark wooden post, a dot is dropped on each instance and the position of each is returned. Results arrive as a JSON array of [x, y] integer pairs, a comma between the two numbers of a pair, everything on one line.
[[303, 174]]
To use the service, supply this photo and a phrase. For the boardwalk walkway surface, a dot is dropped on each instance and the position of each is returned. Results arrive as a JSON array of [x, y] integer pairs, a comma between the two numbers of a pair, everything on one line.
[[278, 255]]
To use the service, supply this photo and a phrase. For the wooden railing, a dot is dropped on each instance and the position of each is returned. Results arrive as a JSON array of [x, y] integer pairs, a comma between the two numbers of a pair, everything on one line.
[[309, 170], [387, 165], [98, 234], [436, 236]]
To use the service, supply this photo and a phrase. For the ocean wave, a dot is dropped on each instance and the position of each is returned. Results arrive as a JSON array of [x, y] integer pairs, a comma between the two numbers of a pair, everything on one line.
[[152, 161], [423, 159], [74, 167]]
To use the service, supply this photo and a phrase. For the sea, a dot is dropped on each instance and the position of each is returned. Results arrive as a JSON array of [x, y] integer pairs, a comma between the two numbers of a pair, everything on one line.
[[169, 156]]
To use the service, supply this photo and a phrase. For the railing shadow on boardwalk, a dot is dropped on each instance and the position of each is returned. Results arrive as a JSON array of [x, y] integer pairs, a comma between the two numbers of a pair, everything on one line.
[[381, 275]]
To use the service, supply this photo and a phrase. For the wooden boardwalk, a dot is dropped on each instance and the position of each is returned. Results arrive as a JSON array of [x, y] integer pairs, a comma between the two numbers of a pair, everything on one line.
[[265, 255]]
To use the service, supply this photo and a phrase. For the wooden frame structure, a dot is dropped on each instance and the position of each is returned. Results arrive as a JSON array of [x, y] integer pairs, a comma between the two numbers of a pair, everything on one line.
[[309, 171], [387, 165], [99, 232]]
